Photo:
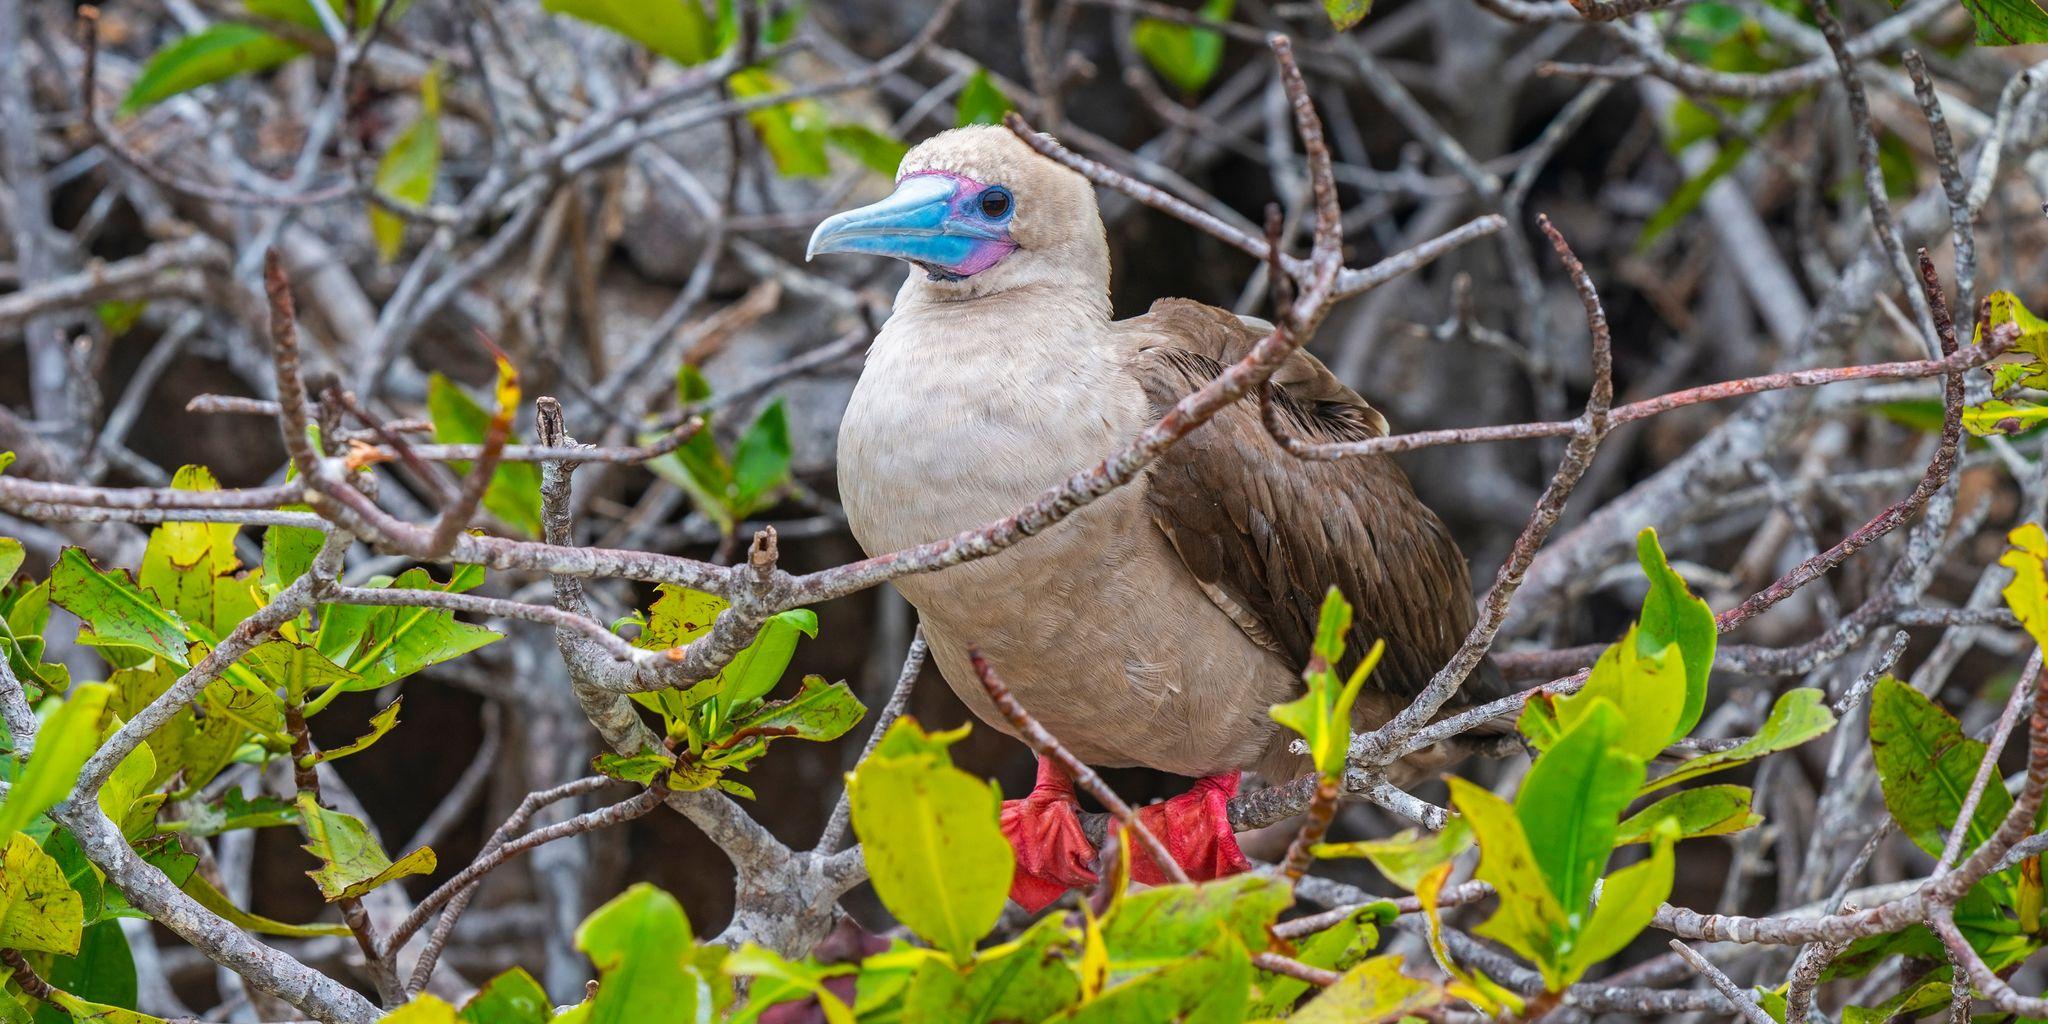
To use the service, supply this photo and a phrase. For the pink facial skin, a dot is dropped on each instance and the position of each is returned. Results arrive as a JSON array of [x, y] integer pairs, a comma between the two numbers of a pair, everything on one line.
[[990, 238]]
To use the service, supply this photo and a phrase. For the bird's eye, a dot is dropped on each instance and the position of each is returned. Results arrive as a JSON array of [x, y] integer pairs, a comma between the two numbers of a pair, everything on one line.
[[995, 202]]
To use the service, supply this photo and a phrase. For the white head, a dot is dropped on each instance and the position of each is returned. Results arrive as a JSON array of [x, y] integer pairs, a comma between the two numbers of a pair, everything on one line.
[[980, 213]]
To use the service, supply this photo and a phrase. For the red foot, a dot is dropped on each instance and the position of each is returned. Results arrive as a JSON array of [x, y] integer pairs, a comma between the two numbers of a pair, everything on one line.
[[1195, 828], [1053, 855]]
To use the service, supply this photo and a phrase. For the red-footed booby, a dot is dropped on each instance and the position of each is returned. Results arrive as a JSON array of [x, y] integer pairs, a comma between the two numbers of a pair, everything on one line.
[[1157, 625]]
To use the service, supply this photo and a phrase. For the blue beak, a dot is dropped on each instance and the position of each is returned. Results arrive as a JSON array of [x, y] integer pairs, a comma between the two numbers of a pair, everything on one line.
[[926, 221]]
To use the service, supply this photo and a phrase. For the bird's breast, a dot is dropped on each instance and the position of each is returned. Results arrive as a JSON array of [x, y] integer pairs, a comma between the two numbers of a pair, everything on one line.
[[954, 424]]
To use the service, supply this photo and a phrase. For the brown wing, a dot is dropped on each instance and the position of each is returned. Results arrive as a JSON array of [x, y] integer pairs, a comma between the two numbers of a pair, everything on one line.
[[1268, 534]]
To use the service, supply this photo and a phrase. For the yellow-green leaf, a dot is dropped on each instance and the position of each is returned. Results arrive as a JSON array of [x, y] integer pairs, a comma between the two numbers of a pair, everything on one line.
[[43, 913], [1706, 811], [677, 29], [1405, 856], [936, 857], [638, 942], [1798, 716], [1530, 920], [1648, 688], [380, 723], [2027, 594], [1371, 992], [1672, 615], [203, 892], [63, 744], [792, 132], [405, 174], [352, 863], [1345, 14]]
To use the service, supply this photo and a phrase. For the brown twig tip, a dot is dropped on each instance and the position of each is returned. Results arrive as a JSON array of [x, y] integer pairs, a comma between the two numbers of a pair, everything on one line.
[[765, 550]]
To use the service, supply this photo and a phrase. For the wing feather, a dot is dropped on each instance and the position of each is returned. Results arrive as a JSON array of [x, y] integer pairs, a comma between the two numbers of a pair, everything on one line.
[[1267, 534]]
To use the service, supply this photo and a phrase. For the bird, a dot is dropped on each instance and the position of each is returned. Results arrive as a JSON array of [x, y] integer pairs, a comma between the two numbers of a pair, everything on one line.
[[1157, 625]]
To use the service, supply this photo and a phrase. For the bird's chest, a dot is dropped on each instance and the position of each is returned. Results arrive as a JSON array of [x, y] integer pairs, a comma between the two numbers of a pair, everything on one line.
[[940, 438]]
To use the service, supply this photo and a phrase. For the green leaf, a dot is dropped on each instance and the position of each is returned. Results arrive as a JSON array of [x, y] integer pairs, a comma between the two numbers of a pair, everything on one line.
[[792, 132], [936, 857], [1336, 948], [1373, 991], [43, 913], [1185, 55], [1345, 14], [352, 864], [818, 712], [760, 461], [1028, 979], [1209, 984], [756, 669], [2008, 22], [119, 316], [1530, 920], [510, 998], [85, 1011], [1672, 615], [288, 551], [203, 892], [1798, 716], [1647, 688], [677, 29], [1628, 900], [119, 614], [125, 797], [1322, 714], [1706, 811], [11, 557], [513, 496], [980, 101], [876, 151], [399, 641], [640, 768], [102, 972], [1572, 798], [380, 723], [218, 51], [780, 981], [405, 174], [63, 744], [1693, 190], [1926, 766], [295, 668], [638, 942], [1405, 856], [1164, 920], [79, 873]]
